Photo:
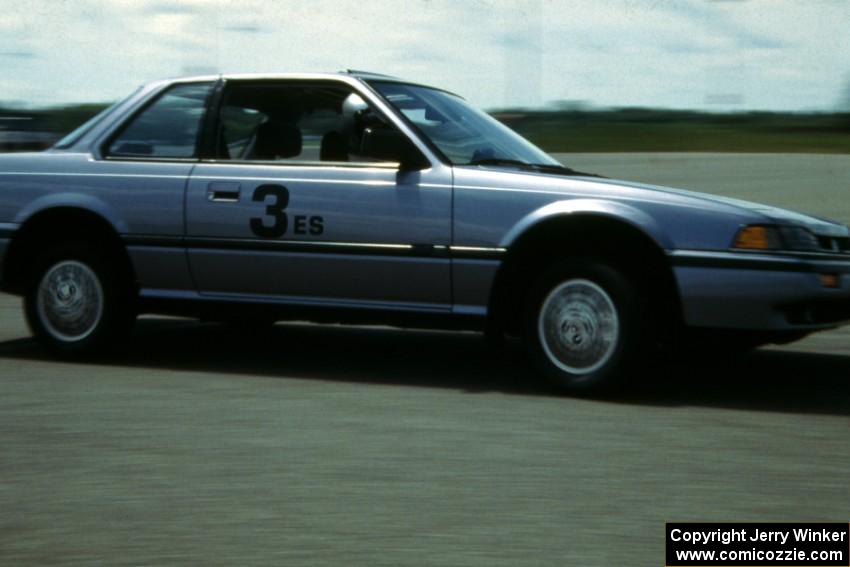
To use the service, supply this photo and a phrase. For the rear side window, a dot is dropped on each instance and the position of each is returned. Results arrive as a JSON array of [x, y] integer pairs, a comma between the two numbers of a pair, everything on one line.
[[168, 128], [74, 136]]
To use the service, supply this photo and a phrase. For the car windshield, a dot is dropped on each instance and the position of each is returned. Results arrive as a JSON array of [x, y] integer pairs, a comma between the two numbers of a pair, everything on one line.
[[464, 134]]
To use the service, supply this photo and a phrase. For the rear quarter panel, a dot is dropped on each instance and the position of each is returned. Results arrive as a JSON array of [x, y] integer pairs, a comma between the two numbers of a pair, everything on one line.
[[135, 197]]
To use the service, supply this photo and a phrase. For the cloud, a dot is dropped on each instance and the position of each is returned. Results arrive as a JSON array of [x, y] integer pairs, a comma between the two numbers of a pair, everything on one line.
[[519, 40], [494, 52], [18, 54], [243, 29], [718, 18], [171, 8]]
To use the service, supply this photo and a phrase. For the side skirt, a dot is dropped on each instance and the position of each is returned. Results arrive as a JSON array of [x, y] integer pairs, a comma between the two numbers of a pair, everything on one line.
[[246, 310]]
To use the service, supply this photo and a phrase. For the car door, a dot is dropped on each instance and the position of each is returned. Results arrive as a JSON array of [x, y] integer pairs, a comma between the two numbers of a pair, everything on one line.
[[290, 209]]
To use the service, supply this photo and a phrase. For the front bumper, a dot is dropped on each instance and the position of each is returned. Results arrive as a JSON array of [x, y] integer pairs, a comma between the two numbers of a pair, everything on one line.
[[777, 292]]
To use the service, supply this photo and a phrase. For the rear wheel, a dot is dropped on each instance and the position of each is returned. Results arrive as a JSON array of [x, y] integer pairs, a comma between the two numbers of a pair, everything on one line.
[[584, 325], [77, 303]]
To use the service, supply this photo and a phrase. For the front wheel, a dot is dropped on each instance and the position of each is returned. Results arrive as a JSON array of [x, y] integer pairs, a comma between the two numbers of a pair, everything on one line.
[[76, 302], [584, 325]]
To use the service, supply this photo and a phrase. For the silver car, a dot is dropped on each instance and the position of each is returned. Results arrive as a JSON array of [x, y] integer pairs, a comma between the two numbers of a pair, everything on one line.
[[357, 197]]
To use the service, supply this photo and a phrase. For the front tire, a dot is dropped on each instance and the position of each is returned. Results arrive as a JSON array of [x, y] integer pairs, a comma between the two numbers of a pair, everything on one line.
[[77, 303], [584, 325]]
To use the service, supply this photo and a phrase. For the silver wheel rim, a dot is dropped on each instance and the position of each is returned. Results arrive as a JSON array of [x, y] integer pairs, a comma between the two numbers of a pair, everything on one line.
[[578, 326], [70, 301]]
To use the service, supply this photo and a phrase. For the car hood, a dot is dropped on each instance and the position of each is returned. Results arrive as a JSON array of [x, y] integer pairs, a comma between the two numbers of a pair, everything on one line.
[[823, 227], [578, 186]]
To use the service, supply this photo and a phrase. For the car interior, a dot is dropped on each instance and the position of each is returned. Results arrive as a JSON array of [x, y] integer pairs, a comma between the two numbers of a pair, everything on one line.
[[265, 122]]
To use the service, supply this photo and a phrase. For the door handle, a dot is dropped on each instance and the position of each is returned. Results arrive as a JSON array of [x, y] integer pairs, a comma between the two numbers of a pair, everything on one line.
[[223, 191]]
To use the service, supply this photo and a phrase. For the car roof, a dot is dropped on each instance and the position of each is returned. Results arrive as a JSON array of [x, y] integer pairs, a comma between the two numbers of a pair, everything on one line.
[[347, 73]]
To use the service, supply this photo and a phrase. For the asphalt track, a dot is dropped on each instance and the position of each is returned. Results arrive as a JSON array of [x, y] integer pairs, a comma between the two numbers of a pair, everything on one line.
[[305, 445]]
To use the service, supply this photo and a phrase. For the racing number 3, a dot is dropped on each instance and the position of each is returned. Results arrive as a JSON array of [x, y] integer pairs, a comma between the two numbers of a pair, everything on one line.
[[274, 209]]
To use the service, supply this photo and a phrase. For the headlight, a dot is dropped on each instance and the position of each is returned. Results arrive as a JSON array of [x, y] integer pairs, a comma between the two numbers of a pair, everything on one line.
[[800, 239], [761, 237]]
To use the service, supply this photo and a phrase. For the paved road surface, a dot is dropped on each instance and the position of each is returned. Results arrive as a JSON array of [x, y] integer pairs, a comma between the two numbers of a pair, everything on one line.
[[320, 446]]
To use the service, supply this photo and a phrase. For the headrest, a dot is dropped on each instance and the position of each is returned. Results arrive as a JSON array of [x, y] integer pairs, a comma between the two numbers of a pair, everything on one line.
[[277, 140], [333, 147]]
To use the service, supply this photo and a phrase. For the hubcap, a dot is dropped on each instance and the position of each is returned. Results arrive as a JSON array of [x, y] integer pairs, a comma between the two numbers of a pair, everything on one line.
[[578, 326], [70, 301]]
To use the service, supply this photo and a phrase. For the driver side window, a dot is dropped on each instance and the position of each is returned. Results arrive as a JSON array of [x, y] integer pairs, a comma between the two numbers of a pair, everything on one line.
[[292, 123]]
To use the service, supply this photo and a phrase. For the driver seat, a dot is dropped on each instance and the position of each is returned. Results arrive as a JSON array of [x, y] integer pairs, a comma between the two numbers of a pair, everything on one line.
[[275, 140]]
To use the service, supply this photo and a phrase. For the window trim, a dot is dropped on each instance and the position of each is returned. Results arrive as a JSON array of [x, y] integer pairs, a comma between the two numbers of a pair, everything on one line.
[[393, 165], [103, 146], [207, 145]]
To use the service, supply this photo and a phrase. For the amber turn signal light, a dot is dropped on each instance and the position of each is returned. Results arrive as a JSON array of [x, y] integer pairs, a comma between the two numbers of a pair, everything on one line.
[[829, 280], [753, 238]]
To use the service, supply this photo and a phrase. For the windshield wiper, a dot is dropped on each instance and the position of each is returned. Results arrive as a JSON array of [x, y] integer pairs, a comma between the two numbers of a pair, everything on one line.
[[498, 161], [541, 167], [562, 170]]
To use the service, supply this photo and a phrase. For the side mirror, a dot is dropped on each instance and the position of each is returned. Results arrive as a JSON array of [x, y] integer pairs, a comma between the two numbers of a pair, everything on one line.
[[391, 145]]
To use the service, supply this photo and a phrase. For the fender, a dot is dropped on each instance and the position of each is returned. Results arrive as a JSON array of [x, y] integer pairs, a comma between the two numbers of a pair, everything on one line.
[[610, 209], [76, 201]]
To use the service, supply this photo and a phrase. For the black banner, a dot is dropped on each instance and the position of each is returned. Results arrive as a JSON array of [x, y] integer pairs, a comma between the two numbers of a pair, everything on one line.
[[744, 544]]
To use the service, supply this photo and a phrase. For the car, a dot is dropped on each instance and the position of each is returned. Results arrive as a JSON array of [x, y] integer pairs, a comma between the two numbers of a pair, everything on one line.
[[362, 198]]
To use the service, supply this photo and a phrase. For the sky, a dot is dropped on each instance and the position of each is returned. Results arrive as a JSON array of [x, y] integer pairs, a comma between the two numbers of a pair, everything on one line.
[[700, 54]]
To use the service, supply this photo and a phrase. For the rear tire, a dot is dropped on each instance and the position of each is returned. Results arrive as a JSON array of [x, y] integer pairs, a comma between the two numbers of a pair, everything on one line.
[[586, 325], [77, 303]]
